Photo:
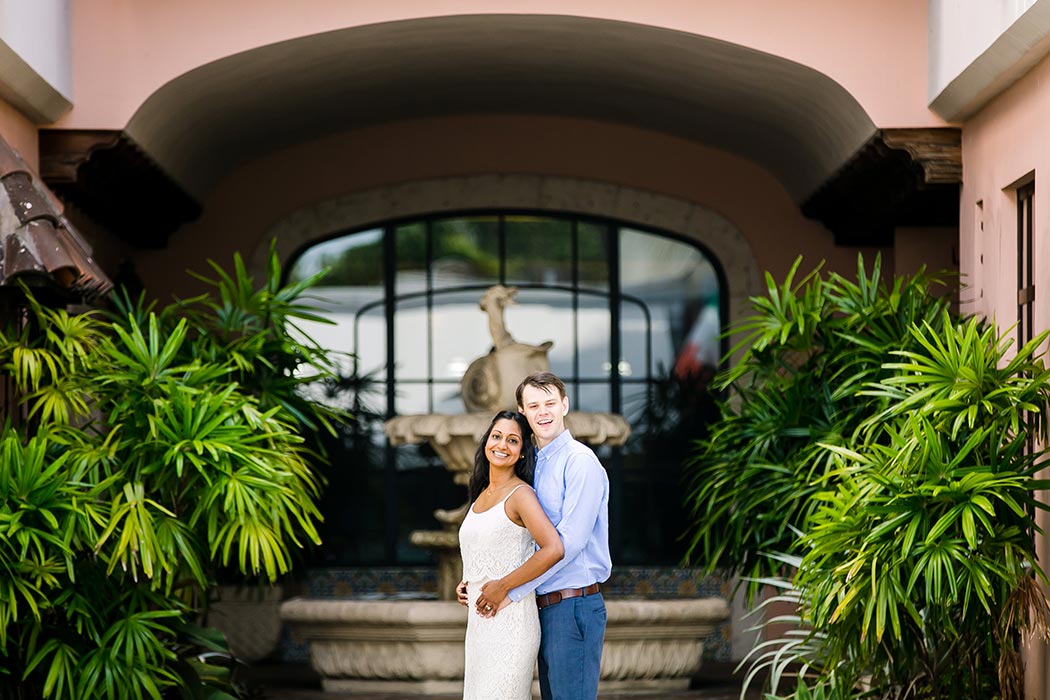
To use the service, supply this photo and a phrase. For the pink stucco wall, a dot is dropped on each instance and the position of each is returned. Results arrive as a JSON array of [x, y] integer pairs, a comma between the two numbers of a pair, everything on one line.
[[250, 200], [20, 134], [936, 248], [1003, 144], [124, 50]]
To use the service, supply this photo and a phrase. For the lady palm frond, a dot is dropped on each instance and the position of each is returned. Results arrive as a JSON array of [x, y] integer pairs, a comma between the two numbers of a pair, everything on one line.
[[146, 464]]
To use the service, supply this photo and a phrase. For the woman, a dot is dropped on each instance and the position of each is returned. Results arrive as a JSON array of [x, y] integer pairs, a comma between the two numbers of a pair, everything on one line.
[[498, 540]]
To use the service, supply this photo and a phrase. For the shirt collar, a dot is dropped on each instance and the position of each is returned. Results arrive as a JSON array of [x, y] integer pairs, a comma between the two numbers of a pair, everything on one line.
[[554, 446]]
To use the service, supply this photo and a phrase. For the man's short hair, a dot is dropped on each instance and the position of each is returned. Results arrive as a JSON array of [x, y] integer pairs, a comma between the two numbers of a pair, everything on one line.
[[541, 380]]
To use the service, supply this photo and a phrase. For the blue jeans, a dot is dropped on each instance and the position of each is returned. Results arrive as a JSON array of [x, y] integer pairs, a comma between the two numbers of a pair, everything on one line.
[[571, 636]]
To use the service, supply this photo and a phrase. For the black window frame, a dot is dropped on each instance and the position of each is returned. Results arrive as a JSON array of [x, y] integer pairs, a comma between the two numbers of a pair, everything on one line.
[[612, 457]]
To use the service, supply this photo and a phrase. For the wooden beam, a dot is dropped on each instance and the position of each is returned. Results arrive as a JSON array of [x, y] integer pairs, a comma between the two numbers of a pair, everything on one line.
[[111, 179], [900, 177]]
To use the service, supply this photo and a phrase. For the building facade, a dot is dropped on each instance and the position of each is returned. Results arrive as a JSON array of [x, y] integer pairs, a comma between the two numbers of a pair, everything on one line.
[[732, 137]]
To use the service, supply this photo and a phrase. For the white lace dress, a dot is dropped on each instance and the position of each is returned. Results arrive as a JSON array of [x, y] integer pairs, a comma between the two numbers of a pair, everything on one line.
[[500, 650]]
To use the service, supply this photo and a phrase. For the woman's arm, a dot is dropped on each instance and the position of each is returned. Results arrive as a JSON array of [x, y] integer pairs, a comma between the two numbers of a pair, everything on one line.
[[524, 508]]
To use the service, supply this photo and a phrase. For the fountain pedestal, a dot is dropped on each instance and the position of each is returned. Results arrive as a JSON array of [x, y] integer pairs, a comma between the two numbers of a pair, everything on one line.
[[416, 647]]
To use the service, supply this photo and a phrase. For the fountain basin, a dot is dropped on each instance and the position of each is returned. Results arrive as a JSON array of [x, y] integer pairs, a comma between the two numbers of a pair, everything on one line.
[[416, 646], [455, 437]]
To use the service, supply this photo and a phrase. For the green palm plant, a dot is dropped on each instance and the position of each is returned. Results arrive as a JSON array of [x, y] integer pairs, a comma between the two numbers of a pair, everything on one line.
[[155, 451], [920, 564], [888, 452], [811, 345]]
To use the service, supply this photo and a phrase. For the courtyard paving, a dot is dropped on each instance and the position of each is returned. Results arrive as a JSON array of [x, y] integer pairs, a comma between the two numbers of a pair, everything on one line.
[[298, 682]]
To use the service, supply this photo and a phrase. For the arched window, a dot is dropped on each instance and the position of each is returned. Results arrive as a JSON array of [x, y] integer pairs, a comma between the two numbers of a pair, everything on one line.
[[635, 317]]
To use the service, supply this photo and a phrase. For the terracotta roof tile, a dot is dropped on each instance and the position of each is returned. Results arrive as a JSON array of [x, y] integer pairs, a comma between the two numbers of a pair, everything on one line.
[[36, 240]]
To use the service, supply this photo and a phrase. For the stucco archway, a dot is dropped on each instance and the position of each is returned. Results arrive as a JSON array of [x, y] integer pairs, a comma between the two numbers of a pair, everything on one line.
[[792, 120]]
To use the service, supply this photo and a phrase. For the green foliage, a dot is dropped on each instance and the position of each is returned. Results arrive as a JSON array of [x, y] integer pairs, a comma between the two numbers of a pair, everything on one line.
[[157, 447], [890, 450], [819, 691], [920, 563], [804, 355]]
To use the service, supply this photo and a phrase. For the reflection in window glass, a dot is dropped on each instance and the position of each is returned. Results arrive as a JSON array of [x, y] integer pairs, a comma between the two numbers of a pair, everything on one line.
[[465, 251], [411, 398], [367, 335], [593, 398], [637, 338], [352, 286], [593, 255], [543, 315], [539, 250], [352, 261], [593, 329], [460, 333], [635, 409], [665, 299], [410, 246], [412, 330], [679, 287]]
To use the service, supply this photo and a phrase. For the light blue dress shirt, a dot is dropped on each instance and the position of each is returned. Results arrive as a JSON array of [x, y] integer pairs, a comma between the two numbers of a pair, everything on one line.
[[573, 489]]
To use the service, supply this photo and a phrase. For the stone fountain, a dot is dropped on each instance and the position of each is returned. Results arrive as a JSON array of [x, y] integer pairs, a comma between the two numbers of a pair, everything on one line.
[[407, 646], [487, 386]]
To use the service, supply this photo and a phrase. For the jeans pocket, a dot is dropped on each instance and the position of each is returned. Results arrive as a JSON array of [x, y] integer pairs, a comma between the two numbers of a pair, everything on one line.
[[579, 617]]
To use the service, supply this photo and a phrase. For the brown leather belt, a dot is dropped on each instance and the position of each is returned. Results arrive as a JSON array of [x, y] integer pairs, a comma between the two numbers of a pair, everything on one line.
[[554, 597]]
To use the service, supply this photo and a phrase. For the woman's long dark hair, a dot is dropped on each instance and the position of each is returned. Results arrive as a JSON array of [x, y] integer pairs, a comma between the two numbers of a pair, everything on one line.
[[525, 469]]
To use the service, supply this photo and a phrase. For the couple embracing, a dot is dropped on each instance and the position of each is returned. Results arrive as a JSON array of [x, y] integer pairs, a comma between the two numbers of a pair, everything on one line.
[[535, 545]]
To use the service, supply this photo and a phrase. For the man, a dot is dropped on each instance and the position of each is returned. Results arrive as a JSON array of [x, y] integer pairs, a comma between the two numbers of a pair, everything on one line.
[[573, 489]]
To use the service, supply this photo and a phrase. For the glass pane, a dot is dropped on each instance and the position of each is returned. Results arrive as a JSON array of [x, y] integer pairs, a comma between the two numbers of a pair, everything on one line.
[[412, 339], [680, 288], [448, 398], [465, 251], [460, 333], [700, 351], [593, 255], [543, 315], [369, 329], [635, 397], [420, 491], [351, 295], [410, 246], [411, 399], [365, 399], [590, 398], [640, 336], [353, 501], [355, 260], [697, 327], [539, 250], [593, 330]]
